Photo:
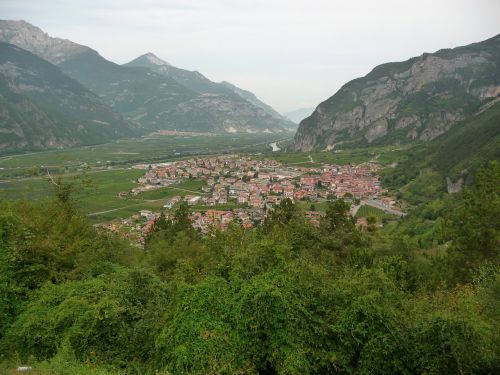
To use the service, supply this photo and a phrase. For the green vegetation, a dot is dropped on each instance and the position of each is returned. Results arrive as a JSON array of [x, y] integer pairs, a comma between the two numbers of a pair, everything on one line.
[[341, 156], [284, 298], [151, 149], [430, 102], [42, 107], [421, 172], [369, 211]]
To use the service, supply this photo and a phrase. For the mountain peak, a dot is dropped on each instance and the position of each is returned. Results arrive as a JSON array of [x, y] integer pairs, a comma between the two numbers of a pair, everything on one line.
[[150, 58], [33, 39]]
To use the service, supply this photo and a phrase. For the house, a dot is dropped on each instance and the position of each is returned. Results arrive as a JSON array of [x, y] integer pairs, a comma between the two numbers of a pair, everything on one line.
[[145, 213], [192, 199]]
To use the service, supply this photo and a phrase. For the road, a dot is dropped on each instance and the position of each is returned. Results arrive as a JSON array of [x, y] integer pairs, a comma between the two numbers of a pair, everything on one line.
[[274, 146]]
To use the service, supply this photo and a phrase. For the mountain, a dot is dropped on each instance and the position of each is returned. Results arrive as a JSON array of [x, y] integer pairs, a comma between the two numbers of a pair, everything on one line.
[[197, 82], [298, 115], [415, 100], [193, 80], [250, 96], [233, 100], [33, 39], [147, 90], [40, 107]]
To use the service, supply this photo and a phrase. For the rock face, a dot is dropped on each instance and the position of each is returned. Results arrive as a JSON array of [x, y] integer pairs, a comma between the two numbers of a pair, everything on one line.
[[148, 90], [40, 107], [33, 39], [415, 100]]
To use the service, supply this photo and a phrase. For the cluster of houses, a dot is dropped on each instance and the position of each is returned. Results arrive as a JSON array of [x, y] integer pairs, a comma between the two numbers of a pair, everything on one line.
[[253, 186], [263, 183]]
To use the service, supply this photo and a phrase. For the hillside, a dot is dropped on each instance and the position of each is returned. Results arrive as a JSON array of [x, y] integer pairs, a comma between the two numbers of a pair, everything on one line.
[[217, 99], [448, 162], [252, 98], [415, 100], [40, 107], [158, 96], [193, 80]]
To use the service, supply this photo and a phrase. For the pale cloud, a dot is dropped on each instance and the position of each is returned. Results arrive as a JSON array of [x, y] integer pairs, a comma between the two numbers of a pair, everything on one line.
[[291, 53]]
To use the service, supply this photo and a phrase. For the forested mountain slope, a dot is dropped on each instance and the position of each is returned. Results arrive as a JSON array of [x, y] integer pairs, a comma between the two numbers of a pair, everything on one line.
[[156, 96], [41, 107]]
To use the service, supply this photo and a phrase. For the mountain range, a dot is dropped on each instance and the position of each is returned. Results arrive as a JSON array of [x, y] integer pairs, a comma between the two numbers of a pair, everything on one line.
[[298, 115], [412, 101], [40, 107], [144, 95]]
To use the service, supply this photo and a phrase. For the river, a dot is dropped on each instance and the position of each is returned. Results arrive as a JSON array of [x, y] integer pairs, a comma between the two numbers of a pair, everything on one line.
[[274, 146]]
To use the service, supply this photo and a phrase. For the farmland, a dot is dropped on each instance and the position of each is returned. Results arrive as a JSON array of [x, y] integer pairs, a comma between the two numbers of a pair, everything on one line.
[[99, 172]]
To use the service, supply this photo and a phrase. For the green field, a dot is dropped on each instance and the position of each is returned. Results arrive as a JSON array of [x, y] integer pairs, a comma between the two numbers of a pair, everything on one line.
[[97, 196], [367, 211], [100, 172], [126, 152], [384, 155]]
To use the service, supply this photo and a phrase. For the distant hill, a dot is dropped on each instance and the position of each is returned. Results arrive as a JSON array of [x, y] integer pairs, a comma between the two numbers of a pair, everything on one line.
[[299, 114], [193, 80], [249, 96], [414, 100], [41, 107], [148, 90]]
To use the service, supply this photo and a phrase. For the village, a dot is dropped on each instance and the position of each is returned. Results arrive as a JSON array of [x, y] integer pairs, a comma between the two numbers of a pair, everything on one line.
[[243, 190]]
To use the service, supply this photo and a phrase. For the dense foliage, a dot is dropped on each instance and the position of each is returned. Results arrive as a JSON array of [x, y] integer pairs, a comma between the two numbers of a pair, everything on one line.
[[419, 296]]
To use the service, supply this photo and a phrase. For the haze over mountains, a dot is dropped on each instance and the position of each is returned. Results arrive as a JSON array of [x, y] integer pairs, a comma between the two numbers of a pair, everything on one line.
[[298, 115], [149, 93], [56, 93], [410, 101]]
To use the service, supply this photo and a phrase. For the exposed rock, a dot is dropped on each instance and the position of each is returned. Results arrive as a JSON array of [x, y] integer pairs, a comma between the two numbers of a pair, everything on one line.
[[431, 92], [377, 130], [406, 121], [456, 187], [33, 39]]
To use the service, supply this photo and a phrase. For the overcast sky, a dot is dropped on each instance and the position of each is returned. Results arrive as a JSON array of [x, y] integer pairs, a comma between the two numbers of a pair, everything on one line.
[[290, 53]]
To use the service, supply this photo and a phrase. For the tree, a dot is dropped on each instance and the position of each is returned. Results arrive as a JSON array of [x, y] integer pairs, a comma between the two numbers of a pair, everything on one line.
[[338, 228], [282, 214], [474, 225], [372, 221]]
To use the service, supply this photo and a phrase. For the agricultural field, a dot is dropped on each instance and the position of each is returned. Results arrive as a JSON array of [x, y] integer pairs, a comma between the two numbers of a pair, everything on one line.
[[96, 192], [126, 152], [377, 213], [384, 155], [99, 172]]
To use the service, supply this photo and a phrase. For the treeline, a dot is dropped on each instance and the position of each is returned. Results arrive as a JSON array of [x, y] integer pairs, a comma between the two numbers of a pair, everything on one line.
[[284, 298]]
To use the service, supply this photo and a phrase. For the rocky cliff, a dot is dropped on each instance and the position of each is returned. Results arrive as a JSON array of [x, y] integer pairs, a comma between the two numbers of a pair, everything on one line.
[[33, 39], [415, 100]]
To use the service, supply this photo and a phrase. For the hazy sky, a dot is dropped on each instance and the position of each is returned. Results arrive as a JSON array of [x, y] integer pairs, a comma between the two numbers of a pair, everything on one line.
[[290, 53]]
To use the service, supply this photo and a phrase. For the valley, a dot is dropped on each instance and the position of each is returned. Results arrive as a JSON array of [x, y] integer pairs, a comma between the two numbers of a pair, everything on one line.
[[154, 221], [101, 172]]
